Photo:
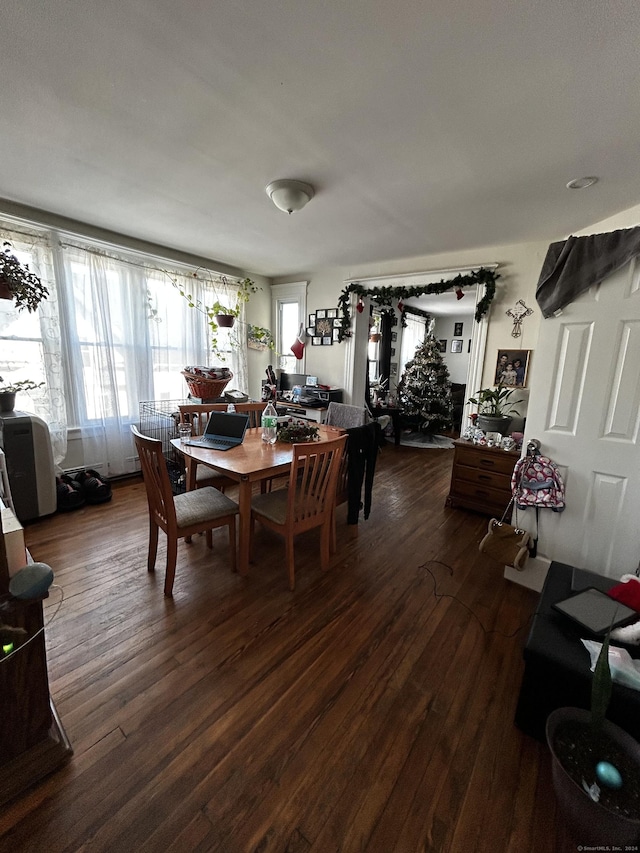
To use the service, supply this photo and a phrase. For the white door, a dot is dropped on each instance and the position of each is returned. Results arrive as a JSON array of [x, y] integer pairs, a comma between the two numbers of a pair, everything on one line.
[[584, 408]]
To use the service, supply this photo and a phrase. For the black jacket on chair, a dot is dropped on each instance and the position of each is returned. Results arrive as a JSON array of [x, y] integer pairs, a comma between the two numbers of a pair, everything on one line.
[[362, 451]]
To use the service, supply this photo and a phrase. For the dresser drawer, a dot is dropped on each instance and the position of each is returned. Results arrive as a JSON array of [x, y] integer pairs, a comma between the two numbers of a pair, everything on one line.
[[492, 500], [485, 459], [482, 477]]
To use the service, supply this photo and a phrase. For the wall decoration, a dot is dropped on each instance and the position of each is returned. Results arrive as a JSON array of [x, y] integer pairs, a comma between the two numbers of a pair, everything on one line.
[[512, 367], [322, 325], [457, 329], [442, 345], [336, 335], [393, 368], [393, 351], [389, 295], [456, 346], [394, 336], [517, 314], [316, 342]]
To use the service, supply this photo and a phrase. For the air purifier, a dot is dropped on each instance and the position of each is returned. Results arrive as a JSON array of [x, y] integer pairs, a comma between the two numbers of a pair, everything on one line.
[[27, 446]]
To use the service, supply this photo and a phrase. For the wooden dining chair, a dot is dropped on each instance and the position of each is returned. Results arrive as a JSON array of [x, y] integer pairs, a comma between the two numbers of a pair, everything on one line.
[[180, 516], [197, 414], [308, 502]]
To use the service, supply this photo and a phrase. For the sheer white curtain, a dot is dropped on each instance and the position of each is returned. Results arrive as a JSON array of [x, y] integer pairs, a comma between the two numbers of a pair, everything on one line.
[[412, 336], [30, 343]]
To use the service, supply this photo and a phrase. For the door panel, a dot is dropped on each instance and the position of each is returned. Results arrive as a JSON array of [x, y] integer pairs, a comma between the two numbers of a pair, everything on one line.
[[584, 408]]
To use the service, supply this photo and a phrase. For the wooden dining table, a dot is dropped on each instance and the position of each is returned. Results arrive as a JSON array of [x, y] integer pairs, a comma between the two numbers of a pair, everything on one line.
[[250, 462]]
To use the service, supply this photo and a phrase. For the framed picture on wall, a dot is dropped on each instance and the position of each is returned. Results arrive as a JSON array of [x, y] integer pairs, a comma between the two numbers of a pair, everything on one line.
[[457, 329], [316, 341], [336, 332], [393, 368], [442, 345], [394, 336], [456, 346], [312, 319], [512, 367], [332, 313], [321, 313]]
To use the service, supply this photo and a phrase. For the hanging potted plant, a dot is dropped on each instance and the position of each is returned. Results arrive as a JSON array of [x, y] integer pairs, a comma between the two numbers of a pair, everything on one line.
[[18, 283], [9, 390], [260, 338], [596, 768], [495, 408]]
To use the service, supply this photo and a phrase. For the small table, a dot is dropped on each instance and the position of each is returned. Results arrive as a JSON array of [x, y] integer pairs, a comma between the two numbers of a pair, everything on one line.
[[252, 461]]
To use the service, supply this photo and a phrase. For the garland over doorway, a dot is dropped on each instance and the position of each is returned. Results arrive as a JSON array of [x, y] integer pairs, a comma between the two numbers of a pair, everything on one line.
[[387, 295]]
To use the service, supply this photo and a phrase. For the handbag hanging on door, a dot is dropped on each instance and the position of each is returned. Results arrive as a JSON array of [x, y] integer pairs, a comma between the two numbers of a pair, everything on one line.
[[505, 543]]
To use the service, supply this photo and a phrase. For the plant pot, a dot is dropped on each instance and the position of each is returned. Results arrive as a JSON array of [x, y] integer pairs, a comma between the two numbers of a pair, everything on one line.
[[591, 822], [493, 423], [225, 320], [375, 337], [7, 401]]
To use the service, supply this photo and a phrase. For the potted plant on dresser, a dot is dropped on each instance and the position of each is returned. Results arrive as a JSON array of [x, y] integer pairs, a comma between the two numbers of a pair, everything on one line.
[[495, 408], [18, 283], [596, 769]]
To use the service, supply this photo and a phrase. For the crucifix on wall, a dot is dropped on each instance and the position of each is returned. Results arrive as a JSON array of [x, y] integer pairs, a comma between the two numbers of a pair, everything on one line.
[[517, 314]]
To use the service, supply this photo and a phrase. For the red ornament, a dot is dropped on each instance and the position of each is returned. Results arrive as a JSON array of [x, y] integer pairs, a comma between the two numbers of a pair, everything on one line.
[[400, 305], [360, 306], [459, 293]]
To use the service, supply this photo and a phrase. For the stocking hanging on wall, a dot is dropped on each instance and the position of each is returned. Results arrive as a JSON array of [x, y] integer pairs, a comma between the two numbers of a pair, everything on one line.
[[297, 347]]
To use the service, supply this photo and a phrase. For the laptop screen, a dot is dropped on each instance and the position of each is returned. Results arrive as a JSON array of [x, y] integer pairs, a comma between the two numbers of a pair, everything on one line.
[[227, 424]]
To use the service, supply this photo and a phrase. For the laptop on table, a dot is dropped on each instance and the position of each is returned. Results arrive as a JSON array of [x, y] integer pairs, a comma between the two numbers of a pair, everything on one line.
[[224, 430]]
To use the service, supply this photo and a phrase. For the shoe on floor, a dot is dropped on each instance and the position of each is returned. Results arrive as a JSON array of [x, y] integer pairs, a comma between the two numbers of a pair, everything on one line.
[[96, 489], [69, 494]]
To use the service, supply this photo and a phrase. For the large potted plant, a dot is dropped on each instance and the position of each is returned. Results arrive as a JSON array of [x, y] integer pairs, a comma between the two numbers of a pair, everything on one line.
[[596, 768], [18, 283], [8, 391], [495, 408]]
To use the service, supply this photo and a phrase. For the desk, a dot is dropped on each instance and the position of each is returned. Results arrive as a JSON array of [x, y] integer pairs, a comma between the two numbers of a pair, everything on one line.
[[252, 461]]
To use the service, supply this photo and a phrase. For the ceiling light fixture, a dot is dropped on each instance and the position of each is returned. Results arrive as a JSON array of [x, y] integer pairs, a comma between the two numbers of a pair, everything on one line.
[[290, 196], [581, 183]]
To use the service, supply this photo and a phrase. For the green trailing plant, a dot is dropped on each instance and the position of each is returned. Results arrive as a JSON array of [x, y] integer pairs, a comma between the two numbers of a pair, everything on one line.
[[27, 290], [246, 288], [260, 337], [389, 295], [496, 402], [17, 387]]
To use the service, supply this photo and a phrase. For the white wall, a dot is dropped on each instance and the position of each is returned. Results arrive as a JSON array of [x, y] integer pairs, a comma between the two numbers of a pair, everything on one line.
[[457, 362]]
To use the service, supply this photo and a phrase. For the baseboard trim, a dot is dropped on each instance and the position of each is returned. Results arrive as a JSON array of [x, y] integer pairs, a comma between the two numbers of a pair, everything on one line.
[[533, 574]]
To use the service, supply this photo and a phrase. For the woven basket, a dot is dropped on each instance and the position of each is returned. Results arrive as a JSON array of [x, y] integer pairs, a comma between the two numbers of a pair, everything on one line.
[[206, 389]]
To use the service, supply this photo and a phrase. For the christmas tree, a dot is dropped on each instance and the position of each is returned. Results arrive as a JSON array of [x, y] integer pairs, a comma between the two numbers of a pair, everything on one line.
[[425, 388]]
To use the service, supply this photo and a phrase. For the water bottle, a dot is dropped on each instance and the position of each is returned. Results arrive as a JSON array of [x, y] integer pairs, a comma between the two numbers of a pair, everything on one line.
[[269, 424], [231, 407]]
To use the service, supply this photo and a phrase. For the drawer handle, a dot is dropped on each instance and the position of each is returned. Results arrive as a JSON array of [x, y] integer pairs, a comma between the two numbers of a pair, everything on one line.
[[485, 477], [482, 494], [487, 463]]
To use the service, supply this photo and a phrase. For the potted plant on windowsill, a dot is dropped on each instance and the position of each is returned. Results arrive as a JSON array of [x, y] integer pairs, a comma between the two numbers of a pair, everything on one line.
[[9, 390], [18, 283], [596, 768], [495, 408]]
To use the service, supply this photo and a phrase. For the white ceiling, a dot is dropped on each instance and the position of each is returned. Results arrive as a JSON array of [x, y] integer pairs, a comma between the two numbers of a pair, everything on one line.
[[425, 126]]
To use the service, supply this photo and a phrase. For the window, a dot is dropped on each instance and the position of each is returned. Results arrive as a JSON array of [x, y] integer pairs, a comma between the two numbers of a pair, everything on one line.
[[114, 332], [289, 310]]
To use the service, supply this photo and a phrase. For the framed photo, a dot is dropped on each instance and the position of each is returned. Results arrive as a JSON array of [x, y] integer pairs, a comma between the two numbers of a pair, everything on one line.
[[393, 368], [512, 367], [442, 345], [323, 326], [332, 313], [393, 351], [316, 341], [312, 319], [321, 313], [394, 336], [457, 329], [311, 331], [337, 323], [336, 332], [327, 341], [456, 346]]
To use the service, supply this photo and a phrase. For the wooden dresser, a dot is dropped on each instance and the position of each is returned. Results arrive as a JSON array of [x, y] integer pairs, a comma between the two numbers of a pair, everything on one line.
[[481, 477]]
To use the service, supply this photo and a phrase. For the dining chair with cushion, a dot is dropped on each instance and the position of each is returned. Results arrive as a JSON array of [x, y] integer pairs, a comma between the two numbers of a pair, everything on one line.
[[180, 516], [308, 502]]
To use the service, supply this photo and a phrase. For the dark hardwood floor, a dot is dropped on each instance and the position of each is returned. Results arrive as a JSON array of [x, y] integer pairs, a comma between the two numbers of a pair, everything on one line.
[[360, 712]]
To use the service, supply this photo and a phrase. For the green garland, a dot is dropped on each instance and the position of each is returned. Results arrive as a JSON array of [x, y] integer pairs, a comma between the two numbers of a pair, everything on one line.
[[387, 295]]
